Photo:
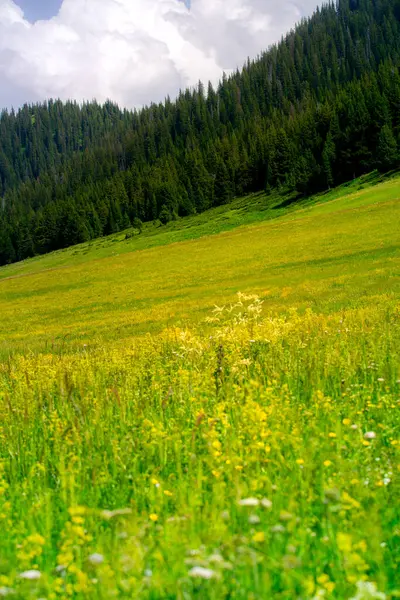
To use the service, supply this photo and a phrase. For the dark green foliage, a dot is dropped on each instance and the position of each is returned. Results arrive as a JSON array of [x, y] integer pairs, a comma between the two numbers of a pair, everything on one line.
[[312, 112], [165, 215], [137, 224], [328, 158], [387, 156]]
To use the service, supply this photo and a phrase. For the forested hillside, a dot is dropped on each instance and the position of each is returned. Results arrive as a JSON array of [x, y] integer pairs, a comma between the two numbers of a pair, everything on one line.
[[315, 110]]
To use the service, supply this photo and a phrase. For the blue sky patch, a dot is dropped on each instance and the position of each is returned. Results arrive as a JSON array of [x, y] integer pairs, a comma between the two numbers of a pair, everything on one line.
[[39, 9]]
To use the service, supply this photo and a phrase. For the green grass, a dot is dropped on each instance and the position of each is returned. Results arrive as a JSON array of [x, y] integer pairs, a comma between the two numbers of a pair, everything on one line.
[[241, 212], [154, 446], [323, 254]]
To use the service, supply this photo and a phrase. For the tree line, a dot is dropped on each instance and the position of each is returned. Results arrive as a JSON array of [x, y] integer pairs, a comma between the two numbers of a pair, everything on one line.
[[313, 111]]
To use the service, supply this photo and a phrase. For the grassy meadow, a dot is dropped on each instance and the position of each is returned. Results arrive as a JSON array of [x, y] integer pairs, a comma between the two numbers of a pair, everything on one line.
[[209, 410]]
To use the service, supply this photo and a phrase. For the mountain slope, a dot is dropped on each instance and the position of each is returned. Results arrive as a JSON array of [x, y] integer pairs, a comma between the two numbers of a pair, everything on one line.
[[332, 251], [317, 109]]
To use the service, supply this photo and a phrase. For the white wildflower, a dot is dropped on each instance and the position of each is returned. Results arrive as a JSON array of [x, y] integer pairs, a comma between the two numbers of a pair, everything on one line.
[[202, 573], [148, 573], [249, 502], [265, 503], [367, 590], [110, 514], [96, 559], [370, 435], [32, 575], [320, 594], [254, 519], [6, 591], [215, 558], [278, 529], [61, 569], [176, 519]]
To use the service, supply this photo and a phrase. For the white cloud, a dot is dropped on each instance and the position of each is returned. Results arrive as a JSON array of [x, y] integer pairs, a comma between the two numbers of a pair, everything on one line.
[[133, 51]]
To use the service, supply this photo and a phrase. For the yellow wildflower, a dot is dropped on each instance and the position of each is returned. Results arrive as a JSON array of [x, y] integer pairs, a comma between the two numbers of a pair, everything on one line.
[[153, 517]]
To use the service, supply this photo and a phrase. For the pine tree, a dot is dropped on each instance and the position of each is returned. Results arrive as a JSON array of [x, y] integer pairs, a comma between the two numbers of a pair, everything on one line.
[[328, 158], [387, 151]]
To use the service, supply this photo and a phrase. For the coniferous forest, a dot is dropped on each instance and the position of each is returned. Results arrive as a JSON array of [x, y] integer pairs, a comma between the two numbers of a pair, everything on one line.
[[315, 110]]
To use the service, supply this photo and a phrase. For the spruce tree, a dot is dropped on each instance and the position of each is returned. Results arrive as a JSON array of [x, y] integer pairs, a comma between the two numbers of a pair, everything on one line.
[[387, 151]]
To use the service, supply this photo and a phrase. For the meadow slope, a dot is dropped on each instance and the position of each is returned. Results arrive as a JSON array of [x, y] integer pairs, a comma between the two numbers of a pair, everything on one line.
[[154, 445], [325, 254]]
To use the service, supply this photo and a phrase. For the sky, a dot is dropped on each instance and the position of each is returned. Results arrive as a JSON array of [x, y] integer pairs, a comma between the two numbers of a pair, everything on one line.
[[132, 52], [35, 10]]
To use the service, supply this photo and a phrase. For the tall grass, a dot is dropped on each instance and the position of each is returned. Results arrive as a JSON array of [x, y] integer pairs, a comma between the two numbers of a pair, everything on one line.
[[258, 461]]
